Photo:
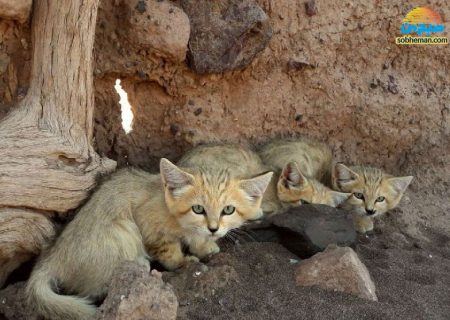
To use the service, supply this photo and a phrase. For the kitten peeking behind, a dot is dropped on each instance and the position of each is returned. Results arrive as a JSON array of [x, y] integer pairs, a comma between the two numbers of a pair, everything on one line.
[[373, 192], [133, 216]]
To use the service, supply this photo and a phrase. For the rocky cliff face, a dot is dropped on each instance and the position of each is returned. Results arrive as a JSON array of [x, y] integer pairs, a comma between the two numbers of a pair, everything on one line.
[[331, 70], [334, 73]]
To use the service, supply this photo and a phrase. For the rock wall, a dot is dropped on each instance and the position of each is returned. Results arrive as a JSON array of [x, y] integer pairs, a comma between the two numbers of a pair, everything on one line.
[[331, 70], [333, 73]]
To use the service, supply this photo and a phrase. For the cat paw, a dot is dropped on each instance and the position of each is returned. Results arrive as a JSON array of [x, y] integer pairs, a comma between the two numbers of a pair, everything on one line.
[[205, 249], [179, 262], [143, 261], [190, 259]]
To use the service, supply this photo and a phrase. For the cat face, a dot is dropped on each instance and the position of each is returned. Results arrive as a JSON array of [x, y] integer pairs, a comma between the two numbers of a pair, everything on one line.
[[373, 192], [294, 188], [209, 204]]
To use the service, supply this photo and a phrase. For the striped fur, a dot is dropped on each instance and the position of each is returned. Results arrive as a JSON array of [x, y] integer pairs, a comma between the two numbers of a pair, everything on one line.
[[302, 167]]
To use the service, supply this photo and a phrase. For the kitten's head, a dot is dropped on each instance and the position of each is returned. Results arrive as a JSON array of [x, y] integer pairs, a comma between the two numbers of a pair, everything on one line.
[[373, 192], [294, 188], [210, 203]]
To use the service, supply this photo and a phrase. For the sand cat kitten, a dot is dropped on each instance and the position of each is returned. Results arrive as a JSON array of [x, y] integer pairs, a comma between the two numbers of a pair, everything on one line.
[[373, 192], [303, 166], [240, 161], [132, 215]]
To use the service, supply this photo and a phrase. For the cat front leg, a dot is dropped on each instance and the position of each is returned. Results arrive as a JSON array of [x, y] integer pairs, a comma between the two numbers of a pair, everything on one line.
[[171, 256]]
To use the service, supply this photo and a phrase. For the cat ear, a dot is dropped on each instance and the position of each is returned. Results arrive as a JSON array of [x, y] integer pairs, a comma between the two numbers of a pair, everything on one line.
[[173, 178], [338, 197], [292, 176], [256, 187], [343, 176], [400, 183]]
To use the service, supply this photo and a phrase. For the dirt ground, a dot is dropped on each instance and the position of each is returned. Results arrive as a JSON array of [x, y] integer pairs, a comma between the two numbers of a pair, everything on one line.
[[256, 280], [412, 281]]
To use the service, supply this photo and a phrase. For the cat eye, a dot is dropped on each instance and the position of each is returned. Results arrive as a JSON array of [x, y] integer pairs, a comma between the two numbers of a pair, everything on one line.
[[228, 210], [380, 199], [358, 195], [304, 202], [198, 209]]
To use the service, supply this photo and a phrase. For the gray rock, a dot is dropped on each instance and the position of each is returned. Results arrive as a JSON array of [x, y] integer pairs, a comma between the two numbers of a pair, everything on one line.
[[225, 34], [135, 294], [337, 269], [307, 230]]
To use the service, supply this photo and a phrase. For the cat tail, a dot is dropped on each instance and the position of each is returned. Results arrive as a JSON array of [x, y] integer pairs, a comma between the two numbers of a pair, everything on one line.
[[47, 303]]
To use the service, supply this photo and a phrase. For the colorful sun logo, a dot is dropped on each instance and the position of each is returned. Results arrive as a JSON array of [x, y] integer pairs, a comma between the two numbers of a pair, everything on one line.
[[423, 15], [423, 21]]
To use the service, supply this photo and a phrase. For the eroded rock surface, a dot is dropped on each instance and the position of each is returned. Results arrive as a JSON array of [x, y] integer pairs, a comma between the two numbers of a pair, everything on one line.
[[337, 269]]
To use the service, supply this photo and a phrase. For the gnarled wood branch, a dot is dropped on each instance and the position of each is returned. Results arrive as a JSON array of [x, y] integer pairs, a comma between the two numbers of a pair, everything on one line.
[[47, 161]]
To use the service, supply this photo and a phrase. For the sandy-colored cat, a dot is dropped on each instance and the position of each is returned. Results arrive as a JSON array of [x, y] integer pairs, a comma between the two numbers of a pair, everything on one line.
[[288, 188], [373, 192], [135, 214], [303, 166]]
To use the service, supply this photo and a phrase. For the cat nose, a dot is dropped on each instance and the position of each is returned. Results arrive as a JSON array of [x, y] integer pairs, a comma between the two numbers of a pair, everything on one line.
[[370, 212], [213, 229]]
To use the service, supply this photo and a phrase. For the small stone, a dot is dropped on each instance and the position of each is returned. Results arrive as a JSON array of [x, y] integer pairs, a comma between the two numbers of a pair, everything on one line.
[[297, 64], [311, 8], [174, 129], [15, 9], [373, 83], [142, 74], [392, 86], [337, 269], [141, 6], [198, 111]]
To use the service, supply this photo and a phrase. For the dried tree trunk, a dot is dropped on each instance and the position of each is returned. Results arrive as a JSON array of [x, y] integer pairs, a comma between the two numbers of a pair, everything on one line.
[[47, 162]]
